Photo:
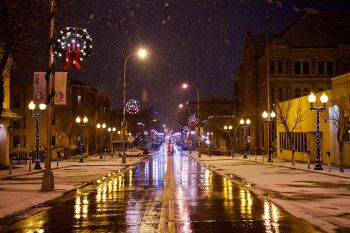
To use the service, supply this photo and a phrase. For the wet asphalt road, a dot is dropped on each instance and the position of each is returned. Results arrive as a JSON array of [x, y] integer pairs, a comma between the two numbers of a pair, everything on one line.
[[165, 193]]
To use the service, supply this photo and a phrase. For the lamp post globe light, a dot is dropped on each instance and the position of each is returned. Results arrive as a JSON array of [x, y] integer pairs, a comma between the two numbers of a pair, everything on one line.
[[269, 117], [36, 115], [312, 100], [245, 125], [111, 132], [227, 129], [100, 128], [185, 86], [82, 125], [141, 53]]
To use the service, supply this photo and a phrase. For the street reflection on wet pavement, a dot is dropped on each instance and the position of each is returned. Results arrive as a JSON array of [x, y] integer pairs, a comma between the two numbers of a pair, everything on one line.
[[165, 193]]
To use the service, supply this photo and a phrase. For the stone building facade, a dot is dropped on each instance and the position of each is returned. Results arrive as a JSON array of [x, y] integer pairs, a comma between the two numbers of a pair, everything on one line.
[[303, 59], [82, 100]]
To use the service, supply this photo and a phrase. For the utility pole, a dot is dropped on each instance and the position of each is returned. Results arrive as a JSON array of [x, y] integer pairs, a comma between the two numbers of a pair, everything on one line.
[[48, 183]]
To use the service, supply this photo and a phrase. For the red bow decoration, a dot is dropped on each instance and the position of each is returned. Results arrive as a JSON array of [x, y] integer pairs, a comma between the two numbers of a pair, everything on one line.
[[72, 57]]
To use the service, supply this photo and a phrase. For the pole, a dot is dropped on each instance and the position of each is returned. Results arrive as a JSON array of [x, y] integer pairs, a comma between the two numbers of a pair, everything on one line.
[[268, 89], [81, 144], [100, 143], [318, 165], [124, 102], [245, 142], [48, 178], [199, 126], [37, 153]]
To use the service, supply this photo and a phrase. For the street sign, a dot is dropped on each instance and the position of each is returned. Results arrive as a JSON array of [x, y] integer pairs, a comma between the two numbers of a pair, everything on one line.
[[131, 139]]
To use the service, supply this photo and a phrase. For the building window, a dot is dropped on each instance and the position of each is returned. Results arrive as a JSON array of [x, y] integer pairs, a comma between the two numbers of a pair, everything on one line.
[[280, 67], [330, 67], [306, 91], [79, 99], [16, 124], [297, 67], [272, 70], [306, 67], [297, 92], [16, 141], [320, 67], [16, 101], [298, 139], [280, 97]]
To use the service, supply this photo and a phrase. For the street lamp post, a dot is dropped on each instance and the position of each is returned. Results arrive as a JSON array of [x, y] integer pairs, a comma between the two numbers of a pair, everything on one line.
[[312, 100], [142, 53], [269, 116], [42, 108], [111, 132], [81, 125], [185, 86], [227, 130], [100, 128], [245, 125]]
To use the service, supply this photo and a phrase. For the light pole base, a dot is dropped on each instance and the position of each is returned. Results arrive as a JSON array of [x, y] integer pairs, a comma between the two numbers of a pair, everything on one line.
[[244, 155], [81, 160], [48, 183], [37, 166], [101, 156], [318, 166]]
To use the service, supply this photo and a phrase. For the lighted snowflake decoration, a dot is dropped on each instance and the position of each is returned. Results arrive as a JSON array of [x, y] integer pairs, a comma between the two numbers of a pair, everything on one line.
[[74, 45], [132, 106], [192, 120]]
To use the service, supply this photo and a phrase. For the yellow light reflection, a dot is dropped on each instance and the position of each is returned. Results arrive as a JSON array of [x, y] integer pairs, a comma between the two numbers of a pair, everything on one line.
[[246, 203], [271, 217]]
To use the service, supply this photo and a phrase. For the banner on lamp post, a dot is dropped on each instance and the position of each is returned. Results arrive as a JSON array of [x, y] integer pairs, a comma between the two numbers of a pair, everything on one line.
[[39, 87], [60, 88]]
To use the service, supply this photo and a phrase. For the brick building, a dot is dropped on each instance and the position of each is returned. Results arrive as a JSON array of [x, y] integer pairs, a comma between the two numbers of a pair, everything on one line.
[[302, 59]]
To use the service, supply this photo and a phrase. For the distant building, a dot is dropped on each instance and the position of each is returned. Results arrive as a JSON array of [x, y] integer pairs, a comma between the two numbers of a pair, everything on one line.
[[302, 59], [82, 100]]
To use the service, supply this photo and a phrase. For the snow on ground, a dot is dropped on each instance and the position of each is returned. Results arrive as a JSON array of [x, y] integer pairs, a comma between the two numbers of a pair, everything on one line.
[[21, 190], [319, 197]]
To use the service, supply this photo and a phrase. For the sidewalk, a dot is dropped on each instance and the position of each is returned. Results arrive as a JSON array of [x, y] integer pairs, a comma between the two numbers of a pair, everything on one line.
[[320, 197], [21, 190]]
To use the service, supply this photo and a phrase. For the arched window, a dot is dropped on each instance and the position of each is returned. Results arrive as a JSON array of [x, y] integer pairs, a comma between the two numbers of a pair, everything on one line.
[[280, 97], [297, 92], [306, 91]]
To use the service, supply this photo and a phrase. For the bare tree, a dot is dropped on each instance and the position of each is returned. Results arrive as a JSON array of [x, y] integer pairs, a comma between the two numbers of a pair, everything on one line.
[[290, 118], [66, 121], [17, 23], [339, 115]]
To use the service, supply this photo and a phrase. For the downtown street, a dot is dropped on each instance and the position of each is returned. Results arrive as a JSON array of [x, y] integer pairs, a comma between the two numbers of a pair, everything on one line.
[[175, 192]]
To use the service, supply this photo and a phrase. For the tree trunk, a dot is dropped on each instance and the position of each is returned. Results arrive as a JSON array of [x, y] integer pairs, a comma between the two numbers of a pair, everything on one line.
[[1, 93], [341, 168]]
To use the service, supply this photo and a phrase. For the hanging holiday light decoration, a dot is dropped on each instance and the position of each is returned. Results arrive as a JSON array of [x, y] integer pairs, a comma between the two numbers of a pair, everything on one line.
[[74, 45], [132, 106], [192, 120]]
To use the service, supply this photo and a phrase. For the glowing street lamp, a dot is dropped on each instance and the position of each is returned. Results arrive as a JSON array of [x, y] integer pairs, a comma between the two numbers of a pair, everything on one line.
[[101, 128], [269, 117], [82, 125], [245, 125], [111, 132], [312, 100], [185, 86], [36, 115], [141, 53], [227, 129]]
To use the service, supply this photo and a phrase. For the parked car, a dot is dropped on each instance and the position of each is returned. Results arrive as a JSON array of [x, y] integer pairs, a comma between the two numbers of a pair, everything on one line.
[[133, 152], [144, 149]]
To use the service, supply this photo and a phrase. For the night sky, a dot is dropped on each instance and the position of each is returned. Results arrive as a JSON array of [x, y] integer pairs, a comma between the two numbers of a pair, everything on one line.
[[199, 42]]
